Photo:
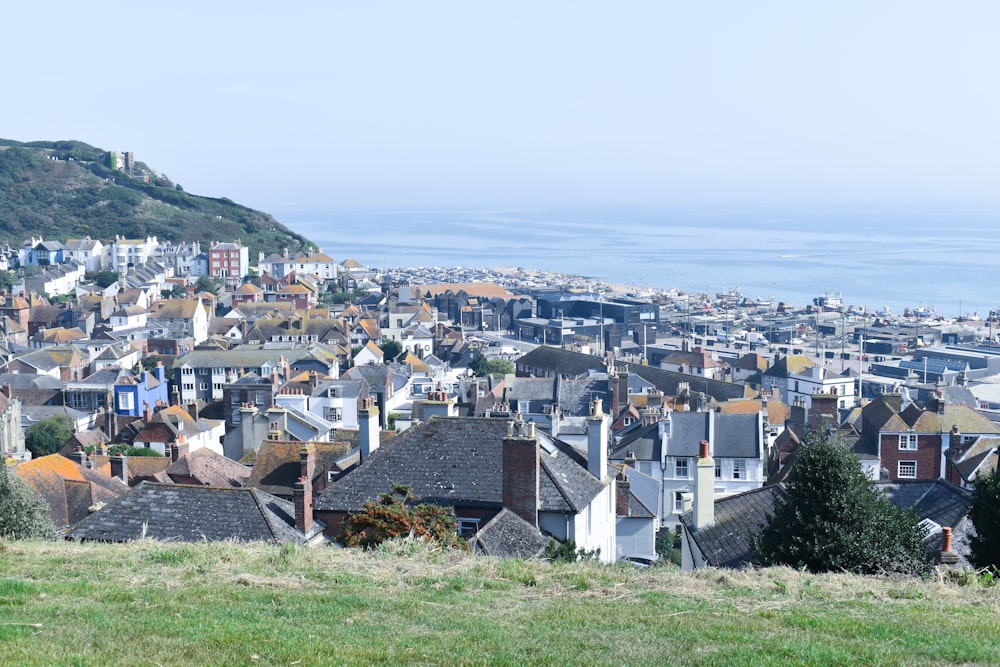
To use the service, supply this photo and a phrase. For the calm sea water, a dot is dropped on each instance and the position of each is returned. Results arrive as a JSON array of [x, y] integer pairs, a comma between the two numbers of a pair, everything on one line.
[[939, 257]]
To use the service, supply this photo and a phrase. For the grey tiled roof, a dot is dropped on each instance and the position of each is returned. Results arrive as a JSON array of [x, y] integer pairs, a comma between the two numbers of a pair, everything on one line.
[[738, 520], [735, 436], [576, 396], [509, 536], [458, 461], [192, 514], [942, 502], [644, 492]]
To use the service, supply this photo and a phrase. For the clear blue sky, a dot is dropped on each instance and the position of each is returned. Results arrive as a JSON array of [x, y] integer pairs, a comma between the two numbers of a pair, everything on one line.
[[323, 104]]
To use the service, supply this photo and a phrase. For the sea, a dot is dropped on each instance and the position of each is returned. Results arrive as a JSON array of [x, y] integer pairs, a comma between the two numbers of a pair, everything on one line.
[[941, 258]]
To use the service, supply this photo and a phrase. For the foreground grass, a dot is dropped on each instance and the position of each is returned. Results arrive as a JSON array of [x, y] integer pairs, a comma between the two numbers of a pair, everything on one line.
[[151, 603]]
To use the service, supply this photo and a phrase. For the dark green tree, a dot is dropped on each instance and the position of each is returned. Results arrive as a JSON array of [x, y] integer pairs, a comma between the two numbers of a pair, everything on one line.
[[102, 278], [23, 513], [834, 519], [47, 436], [482, 367], [985, 515], [391, 349]]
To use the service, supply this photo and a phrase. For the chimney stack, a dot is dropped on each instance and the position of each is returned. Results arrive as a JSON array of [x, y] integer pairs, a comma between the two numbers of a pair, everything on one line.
[[368, 428], [119, 467], [622, 494], [302, 493], [704, 490], [307, 462], [597, 441], [180, 448], [947, 556], [521, 471], [78, 456]]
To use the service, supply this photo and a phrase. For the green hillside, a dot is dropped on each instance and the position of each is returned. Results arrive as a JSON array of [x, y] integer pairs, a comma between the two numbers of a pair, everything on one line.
[[408, 603], [68, 189]]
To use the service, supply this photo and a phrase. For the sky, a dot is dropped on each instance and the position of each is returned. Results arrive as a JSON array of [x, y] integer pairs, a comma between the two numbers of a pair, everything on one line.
[[321, 105]]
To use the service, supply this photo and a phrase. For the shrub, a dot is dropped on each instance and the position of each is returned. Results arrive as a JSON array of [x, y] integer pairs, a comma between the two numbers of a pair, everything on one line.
[[985, 516], [393, 515], [23, 513], [834, 519]]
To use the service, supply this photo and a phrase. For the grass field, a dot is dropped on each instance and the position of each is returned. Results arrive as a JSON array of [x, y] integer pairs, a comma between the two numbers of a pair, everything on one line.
[[151, 603]]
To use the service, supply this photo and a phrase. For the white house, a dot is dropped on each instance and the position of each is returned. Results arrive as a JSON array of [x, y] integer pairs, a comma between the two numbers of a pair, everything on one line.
[[666, 451]]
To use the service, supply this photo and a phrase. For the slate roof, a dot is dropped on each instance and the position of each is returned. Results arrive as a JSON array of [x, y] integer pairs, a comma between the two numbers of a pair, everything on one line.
[[735, 436], [509, 536], [458, 461], [740, 518], [644, 493], [189, 513], [210, 469]]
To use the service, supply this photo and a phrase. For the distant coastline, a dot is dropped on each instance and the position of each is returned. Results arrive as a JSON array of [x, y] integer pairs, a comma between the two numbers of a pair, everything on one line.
[[939, 258]]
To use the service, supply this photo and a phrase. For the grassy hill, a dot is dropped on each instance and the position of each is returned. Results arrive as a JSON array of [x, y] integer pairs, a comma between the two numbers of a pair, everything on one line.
[[68, 189], [154, 603]]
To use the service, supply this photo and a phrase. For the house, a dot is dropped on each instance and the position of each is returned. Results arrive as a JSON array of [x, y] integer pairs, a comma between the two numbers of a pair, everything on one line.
[[187, 513], [38, 252], [60, 362], [317, 264], [667, 449], [481, 466], [369, 354], [56, 280], [203, 374], [229, 262], [694, 362], [173, 425], [273, 423], [636, 524], [86, 251], [68, 488], [182, 317], [125, 253]]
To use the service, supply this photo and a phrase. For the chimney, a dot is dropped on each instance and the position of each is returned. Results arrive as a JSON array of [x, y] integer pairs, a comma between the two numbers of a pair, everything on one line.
[[180, 449], [302, 493], [704, 490], [823, 412], [307, 462], [119, 467], [313, 379], [894, 400], [521, 470], [947, 556], [175, 396], [622, 494], [955, 440], [597, 441], [798, 412], [368, 428], [438, 404], [193, 410], [147, 412], [78, 456], [630, 460]]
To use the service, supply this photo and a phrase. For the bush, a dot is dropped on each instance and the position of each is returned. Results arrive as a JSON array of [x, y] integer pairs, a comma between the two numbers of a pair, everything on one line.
[[834, 519], [568, 552], [23, 513], [985, 516], [392, 516]]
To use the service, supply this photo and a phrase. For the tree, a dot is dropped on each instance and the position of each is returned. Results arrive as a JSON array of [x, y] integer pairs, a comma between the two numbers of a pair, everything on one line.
[[392, 516], [23, 513], [208, 284], [985, 515], [47, 436], [834, 519], [391, 349], [102, 278], [482, 367]]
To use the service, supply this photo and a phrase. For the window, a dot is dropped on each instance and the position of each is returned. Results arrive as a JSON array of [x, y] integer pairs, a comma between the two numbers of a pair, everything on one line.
[[907, 470], [188, 386], [679, 501], [125, 401], [739, 469], [467, 526], [681, 468], [187, 371], [718, 469], [908, 441], [333, 414], [260, 398]]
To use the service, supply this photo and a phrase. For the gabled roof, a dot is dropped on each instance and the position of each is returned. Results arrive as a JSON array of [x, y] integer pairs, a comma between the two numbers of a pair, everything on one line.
[[68, 488], [176, 309], [210, 469], [735, 435], [509, 536], [458, 461], [791, 364], [276, 466], [187, 513]]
